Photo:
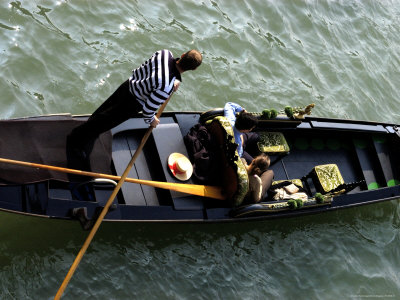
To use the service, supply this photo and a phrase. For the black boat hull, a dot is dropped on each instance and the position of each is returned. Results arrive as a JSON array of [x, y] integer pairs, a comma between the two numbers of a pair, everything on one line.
[[362, 150]]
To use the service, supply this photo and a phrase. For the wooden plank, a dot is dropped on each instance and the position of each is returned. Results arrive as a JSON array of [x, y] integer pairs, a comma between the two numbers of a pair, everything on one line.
[[187, 121], [366, 160], [168, 139], [383, 151], [143, 172], [11, 197], [121, 154], [348, 126], [134, 124]]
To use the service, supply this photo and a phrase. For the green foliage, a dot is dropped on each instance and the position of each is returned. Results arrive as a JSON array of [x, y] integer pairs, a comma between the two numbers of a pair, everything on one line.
[[319, 198], [289, 111], [269, 114], [295, 203], [266, 114], [299, 203], [274, 113], [292, 204]]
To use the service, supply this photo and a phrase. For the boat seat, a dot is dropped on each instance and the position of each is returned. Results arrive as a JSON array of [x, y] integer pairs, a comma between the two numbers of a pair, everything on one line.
[[273, 143], [297, 182], [124, 147], [369, 164], [328, 179], [384, 153], [235, 180], [168, 139], [325, 177], [186, 122]]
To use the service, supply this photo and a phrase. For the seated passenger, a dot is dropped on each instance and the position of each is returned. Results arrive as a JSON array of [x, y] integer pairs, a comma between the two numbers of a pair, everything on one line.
[[242, 123], [260, 178]]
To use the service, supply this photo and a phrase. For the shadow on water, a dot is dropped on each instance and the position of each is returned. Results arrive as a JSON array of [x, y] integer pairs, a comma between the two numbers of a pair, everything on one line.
[[180, 257], [21, 233], [387, 212], [254, 254]]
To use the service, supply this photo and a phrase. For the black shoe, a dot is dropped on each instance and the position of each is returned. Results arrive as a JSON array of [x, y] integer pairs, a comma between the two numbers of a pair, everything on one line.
[[80, 213]]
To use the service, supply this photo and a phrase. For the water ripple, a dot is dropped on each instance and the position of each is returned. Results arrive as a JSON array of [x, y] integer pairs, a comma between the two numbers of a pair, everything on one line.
[[69, 56]]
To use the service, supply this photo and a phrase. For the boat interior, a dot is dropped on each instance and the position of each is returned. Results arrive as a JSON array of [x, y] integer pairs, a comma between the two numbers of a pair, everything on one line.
[[367, 155]]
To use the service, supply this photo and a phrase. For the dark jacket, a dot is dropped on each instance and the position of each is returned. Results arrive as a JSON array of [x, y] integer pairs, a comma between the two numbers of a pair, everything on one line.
[[202, 154]]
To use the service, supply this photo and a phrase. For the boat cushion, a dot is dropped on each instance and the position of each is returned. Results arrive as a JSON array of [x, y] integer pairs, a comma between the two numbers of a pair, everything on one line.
[[234, 176], [327, 177], [273, 142], [297, 182]]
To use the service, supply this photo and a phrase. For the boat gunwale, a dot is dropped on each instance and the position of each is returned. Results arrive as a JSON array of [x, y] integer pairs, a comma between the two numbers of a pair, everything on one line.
[[267, 216], [227, 219]]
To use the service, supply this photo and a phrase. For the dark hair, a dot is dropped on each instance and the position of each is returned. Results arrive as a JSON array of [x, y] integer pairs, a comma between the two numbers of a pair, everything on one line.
[[245, 121], [259, 165], [190, 60]]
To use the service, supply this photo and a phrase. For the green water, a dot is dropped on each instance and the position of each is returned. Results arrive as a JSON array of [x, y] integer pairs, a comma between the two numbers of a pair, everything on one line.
[[69, 56]]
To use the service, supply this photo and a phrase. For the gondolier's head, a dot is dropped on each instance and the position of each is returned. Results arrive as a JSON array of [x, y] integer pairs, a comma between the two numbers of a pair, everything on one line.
[[245, 122], [190, 60]]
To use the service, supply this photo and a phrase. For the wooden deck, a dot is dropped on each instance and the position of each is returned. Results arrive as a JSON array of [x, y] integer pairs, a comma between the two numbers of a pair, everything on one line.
[[152, 164]]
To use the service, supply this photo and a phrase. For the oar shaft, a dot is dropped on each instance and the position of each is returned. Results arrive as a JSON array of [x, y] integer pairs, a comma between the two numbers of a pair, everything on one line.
[[214, 192], [105, 209], [89, 238]]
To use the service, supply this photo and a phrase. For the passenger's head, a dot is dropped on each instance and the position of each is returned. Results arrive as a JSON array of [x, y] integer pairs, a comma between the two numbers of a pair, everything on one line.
[[190, 60], [245, 121], [259, 165]]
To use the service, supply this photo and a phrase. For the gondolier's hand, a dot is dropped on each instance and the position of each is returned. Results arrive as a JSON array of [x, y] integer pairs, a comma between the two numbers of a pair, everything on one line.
[[176, 84], [155, 122]]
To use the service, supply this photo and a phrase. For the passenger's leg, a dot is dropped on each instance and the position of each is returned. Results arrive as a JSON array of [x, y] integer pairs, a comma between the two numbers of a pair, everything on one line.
[[247, 157], [266, 180], [250, 140]]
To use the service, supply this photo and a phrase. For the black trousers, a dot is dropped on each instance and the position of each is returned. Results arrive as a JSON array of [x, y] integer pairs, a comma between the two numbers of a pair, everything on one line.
[[119, 107], [250, 147]]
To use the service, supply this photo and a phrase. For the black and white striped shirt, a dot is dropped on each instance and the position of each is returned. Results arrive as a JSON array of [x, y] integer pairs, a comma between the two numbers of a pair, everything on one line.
[[153, 82]]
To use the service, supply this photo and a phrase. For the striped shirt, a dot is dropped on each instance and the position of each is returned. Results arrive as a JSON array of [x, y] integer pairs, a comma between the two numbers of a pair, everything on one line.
[[153, 82]]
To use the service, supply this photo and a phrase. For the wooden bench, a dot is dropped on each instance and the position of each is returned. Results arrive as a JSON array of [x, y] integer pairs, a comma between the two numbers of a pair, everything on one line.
[[126, 139], [168, 139], [369, 163], [385, 157], [124, 146]]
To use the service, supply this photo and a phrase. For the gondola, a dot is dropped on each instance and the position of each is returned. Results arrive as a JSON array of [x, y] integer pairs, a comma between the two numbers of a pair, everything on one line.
[[362, 157]]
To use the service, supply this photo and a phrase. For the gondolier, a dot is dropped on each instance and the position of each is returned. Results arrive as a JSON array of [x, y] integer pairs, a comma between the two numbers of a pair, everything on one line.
[[148, 87]]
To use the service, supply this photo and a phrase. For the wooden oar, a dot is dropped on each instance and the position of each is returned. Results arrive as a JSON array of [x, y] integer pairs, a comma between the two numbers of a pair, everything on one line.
[[214, 192], [106, 207]]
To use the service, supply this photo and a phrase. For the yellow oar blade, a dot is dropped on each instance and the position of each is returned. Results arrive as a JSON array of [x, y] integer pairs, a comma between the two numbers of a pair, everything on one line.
[[214, 192]]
